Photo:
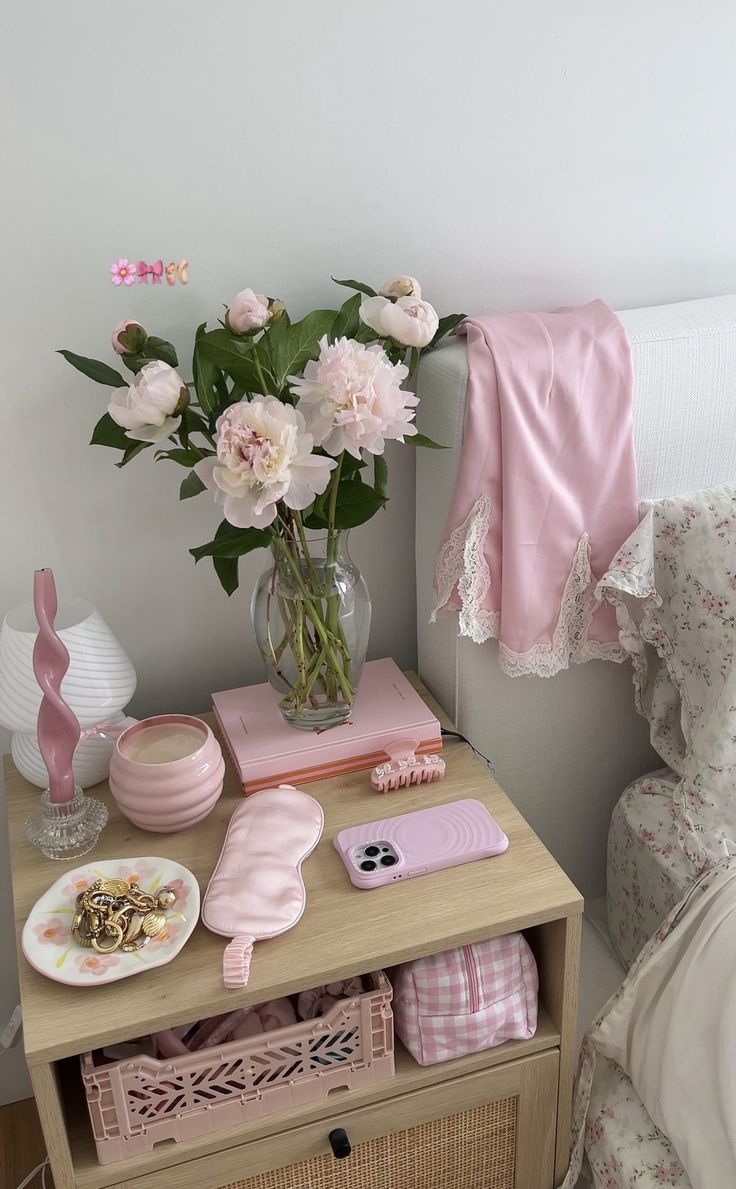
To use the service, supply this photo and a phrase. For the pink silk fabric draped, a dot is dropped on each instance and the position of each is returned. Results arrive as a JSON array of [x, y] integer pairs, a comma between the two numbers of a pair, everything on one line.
[[546, 488]]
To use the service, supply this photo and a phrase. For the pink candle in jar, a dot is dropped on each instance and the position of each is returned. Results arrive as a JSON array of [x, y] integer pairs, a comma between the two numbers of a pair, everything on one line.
[[167, 772]]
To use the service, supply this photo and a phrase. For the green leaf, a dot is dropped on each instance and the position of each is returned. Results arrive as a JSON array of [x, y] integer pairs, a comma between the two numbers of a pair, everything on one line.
[[359, 285], [190, 486], [230, 541], [351, 465], [185, 458], [356, 503], [108, 433], [131, 450], [96, 370], [134, 363], [160, 349], [347, 322], [291, 352], [226, 569], [448, 323], [366, 334], [205, 375], [380, 473], [237, 357], [420, 439], [194, 420]]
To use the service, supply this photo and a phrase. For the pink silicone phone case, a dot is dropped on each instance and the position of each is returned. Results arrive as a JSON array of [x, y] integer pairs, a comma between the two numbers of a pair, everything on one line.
[[427, 840]]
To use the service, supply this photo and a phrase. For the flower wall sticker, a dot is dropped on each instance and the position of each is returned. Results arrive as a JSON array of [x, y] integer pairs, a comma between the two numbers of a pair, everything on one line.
[[126, 272], [123, 272]]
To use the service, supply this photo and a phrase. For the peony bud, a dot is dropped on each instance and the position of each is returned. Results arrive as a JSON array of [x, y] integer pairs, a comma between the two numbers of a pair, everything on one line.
[[402, 286], [128, 337], [247, 313], [277, 309]]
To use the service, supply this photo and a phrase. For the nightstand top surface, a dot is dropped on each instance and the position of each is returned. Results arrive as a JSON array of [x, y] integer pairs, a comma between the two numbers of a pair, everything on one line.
[[344, 931]]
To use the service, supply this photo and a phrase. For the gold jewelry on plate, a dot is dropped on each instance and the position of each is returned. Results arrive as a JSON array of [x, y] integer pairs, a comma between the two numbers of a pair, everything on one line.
[[113, 915]]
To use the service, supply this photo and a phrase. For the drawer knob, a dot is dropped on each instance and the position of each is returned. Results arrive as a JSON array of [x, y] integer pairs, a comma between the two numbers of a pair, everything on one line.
[[339, 1143]]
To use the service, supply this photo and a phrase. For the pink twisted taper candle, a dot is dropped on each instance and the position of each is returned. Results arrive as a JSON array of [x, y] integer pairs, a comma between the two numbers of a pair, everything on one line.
[[58, 729]]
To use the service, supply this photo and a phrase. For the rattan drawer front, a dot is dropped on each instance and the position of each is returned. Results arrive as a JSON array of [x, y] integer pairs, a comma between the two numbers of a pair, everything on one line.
[[473, 1149], [494, 1129]]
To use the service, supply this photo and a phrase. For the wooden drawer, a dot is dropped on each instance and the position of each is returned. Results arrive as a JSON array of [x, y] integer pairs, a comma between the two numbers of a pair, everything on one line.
[[489, 1130]]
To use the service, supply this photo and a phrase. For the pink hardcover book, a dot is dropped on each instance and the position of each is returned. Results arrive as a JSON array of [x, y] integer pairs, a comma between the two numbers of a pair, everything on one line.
[[267, 752]]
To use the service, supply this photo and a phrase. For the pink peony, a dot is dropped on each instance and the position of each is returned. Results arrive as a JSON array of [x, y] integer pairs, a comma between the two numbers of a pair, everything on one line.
[[248, 312], [123, 272], [264, 454], [352, 399], [403, 286], [146, 409], [411, 322]]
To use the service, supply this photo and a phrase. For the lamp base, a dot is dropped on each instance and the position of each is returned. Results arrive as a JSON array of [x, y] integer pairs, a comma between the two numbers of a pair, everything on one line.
[[69, 829]]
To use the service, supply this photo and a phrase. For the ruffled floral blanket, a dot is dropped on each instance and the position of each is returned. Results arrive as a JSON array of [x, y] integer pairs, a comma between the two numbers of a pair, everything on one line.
[[671, 1027]]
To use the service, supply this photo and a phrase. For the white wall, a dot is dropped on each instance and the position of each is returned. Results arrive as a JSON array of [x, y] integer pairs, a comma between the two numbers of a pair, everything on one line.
[[510, 154]]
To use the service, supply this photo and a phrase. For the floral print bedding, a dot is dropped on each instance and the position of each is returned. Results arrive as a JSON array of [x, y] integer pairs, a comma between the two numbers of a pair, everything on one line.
[[624, 1149], [673, 586], [647, 870]]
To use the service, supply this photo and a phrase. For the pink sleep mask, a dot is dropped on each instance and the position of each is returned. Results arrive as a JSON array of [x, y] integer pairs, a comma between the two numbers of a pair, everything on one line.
[[257, 890]]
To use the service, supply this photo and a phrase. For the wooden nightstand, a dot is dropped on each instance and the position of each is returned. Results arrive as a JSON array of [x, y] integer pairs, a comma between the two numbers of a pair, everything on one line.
[[512, 1103]]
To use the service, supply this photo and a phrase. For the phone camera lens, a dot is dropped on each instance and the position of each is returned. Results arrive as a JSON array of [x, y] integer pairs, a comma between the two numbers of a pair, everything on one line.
[[367, 865], [387, 861], [372, 851]]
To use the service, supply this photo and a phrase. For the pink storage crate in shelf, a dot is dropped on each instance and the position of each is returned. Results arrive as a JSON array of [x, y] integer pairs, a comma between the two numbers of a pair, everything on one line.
[[136, 1103]]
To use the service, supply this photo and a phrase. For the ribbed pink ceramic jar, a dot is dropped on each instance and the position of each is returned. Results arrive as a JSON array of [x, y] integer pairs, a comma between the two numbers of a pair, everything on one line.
[[167, 796]]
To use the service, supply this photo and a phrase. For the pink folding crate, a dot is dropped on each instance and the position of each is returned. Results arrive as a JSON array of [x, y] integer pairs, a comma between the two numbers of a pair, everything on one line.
[[136, 1103]]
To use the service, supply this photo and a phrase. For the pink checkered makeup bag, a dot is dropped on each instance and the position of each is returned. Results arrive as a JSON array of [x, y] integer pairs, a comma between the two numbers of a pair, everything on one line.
[[466, 999]]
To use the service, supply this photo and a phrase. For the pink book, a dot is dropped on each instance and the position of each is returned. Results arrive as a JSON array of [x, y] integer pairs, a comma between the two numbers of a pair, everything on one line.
[[267, 752]]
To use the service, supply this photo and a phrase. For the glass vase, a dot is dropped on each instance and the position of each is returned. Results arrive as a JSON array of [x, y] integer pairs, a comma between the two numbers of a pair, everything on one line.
[[311, 616]]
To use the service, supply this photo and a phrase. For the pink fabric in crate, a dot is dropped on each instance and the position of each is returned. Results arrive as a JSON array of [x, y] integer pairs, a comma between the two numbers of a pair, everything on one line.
[[468, 999]]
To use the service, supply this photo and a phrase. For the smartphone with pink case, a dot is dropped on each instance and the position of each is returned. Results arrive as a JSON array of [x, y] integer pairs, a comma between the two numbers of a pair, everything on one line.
[[414, 844]]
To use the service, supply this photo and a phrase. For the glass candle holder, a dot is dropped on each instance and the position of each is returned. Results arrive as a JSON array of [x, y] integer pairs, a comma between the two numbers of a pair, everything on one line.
[[68, 829]]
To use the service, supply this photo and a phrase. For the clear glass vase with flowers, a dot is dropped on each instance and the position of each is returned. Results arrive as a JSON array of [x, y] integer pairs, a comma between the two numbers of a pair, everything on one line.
[[285, 424]]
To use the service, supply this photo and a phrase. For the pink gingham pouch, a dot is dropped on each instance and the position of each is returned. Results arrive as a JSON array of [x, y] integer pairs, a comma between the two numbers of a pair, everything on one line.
[[467, 999]]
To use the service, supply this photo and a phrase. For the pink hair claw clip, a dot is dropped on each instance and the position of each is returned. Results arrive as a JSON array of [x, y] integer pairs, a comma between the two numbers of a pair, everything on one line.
[[405, 767]]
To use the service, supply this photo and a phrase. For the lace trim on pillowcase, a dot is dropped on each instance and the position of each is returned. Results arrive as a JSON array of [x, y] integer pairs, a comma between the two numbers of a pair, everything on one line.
[[461, 563]]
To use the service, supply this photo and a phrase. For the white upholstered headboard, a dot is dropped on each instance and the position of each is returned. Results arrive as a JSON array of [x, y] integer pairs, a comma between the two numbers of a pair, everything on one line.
[[565, 748]]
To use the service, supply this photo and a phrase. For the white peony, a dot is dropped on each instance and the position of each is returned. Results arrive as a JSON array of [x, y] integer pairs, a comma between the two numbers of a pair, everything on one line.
[[409, 321], [352, 398], [146, 409], [264, 455], [248, 312], [403, 286]]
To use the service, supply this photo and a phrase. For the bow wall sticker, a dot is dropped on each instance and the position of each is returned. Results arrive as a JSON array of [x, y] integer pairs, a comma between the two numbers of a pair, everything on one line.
[[127, 272]]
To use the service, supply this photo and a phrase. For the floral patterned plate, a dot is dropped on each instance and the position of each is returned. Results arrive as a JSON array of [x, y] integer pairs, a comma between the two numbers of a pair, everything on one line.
[[51, 950]]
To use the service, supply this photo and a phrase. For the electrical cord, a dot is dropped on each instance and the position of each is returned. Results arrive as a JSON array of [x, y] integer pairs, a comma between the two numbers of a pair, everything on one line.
[[480, 755], [9, 1035], [39, 1168]]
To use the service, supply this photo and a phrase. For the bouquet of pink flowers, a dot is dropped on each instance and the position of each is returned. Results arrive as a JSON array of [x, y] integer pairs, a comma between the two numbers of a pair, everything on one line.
[[286, 425]]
